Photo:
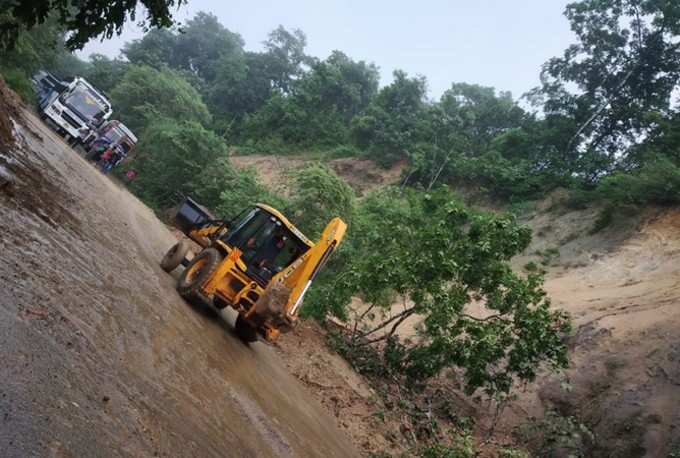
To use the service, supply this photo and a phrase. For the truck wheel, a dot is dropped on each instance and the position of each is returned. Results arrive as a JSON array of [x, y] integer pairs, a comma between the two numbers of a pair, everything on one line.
[[244, 330], [198, 271], [174, 256]]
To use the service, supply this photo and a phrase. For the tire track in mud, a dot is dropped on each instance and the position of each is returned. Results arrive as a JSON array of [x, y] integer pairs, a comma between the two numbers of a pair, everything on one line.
[[265, 428]]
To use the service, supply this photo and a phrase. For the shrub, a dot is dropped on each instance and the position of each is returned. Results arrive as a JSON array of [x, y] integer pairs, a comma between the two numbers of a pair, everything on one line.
[[318, 195], [171, 159], [657, 181], [19, 83]]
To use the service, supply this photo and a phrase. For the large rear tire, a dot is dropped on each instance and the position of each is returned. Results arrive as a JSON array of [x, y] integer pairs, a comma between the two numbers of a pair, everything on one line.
[[198, 271], [244, 330], [174, 256]]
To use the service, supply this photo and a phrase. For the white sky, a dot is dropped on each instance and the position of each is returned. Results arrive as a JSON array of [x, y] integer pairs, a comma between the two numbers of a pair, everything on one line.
[[499, 43]]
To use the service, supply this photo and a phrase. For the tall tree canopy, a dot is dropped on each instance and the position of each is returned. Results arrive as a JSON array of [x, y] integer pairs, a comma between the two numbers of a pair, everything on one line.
[[104, 73], [286, 52], [390, 124], [83, 20], [623, 68], [145, 93]]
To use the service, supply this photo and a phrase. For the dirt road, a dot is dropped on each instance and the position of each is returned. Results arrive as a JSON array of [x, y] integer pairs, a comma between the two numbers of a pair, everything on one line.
[[100, 356]]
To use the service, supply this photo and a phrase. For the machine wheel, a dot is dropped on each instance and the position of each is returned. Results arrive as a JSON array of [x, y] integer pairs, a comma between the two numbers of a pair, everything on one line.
[[198, 271], [244, 330], [174, 256]]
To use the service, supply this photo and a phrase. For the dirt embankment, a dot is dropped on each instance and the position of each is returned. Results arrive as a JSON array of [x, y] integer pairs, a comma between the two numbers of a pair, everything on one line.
[[622, 287], [10, 107], [100, 356], [363, 175]]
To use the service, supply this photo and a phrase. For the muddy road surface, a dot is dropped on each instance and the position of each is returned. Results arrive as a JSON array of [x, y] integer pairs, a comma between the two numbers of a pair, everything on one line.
[[100, 356]]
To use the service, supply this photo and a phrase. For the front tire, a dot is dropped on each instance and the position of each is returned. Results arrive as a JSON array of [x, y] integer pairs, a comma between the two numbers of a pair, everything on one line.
[[174, 256], [199, 270], [244, 330]]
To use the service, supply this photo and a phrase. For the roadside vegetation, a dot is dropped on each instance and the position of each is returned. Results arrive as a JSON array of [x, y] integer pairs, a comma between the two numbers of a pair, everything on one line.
[[604, 125]]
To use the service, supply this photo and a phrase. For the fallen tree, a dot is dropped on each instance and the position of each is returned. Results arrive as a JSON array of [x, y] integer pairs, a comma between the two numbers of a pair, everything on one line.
[[449, 265]]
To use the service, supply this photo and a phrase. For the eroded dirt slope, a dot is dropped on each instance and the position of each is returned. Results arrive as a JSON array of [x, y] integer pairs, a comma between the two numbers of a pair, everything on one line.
[[363, 175], [100, 356], [622, 287]]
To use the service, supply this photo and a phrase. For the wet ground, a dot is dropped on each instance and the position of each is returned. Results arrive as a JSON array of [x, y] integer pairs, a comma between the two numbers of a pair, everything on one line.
[[100, 356]]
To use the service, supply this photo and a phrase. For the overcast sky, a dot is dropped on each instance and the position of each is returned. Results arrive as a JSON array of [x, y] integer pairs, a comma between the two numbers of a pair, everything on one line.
[[499, 43]]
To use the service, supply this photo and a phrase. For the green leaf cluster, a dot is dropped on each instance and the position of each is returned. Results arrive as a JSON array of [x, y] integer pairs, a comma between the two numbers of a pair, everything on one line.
[[145, 94], [450, 264]]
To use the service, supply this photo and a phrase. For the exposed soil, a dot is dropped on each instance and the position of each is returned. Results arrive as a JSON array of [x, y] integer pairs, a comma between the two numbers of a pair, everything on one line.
[[344, 393], [9, 107], [100, 356], [622, 287], [363, 175]]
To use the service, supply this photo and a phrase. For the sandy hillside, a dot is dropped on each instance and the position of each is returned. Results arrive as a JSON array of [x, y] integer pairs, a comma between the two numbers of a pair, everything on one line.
[[362, 174], [622, 287]]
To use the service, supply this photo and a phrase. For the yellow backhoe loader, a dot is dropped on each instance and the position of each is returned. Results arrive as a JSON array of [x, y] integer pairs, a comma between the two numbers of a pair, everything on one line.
[[259, 263]]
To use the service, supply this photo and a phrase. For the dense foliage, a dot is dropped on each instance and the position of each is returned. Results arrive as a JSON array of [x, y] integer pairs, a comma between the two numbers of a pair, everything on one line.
[[448, 264], [172, 158], [42, 47], [145, 94], [318, 196], [83, 20]]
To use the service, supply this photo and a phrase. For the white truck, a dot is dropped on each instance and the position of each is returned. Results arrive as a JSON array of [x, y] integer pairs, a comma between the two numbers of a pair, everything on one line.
[[79, 106]]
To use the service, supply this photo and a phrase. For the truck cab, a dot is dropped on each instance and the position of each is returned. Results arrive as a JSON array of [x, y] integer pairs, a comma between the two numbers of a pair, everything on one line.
[[79, 106], [112, 133]]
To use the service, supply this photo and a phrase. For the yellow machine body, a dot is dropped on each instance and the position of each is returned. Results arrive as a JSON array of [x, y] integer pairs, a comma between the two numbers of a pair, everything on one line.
[[269, 305]]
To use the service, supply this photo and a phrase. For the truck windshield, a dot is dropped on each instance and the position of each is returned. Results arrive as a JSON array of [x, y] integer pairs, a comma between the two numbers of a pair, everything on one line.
[[85, 103]]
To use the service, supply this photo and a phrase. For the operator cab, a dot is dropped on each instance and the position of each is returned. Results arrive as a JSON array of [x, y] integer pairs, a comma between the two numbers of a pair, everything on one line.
[[267, 241]]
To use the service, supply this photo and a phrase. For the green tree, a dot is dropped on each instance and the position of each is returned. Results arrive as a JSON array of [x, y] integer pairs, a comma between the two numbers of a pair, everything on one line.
[[624, 66], [42, 47], [319, 195], [203, 44], [392, 124], [339, 85], [450, 266], [321, 105], [461, 132], [285, 52], [171, 159], [477, 115], [200, 48], [145, 93], [82, 20], [228, 190], [241, 86], [155, 49], [104, 73]]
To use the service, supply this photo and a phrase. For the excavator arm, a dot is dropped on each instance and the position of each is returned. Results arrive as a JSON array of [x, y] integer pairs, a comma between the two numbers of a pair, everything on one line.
[[299, 276]]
